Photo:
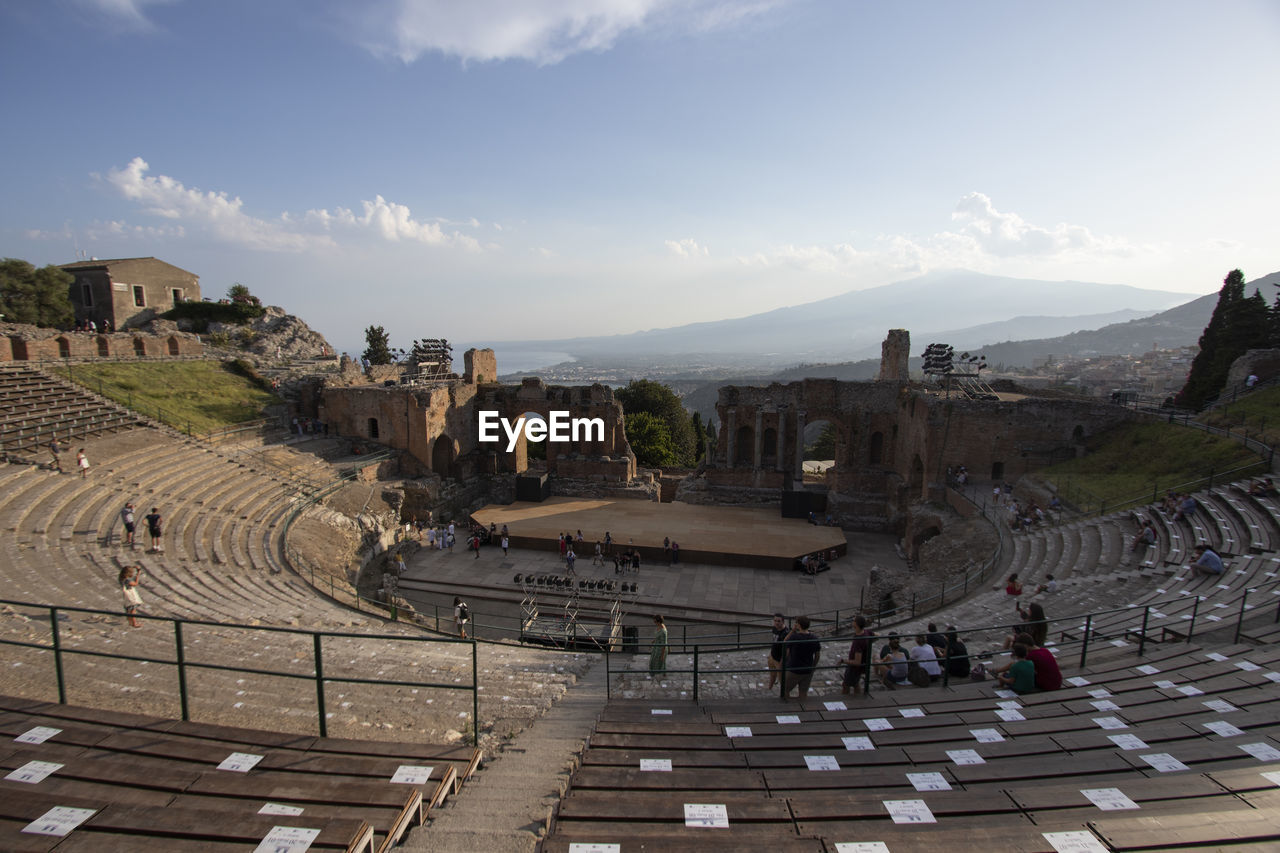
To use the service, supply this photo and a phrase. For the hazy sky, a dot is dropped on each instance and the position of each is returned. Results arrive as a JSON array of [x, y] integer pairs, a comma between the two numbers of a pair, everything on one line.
[[500, 169]]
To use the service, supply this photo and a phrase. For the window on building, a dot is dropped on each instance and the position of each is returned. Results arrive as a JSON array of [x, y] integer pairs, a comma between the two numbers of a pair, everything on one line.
[[139, 296], [86, 294]]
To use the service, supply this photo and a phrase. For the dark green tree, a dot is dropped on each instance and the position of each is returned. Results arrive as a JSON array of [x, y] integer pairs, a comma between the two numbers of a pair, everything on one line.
[[1238, 323], [654, 398], [377, 346], [824, 446], [650, 440], [699, 438], [41, 297]]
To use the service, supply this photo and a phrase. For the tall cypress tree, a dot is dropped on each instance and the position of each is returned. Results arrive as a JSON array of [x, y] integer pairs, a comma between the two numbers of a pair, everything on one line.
[[1238, 323]]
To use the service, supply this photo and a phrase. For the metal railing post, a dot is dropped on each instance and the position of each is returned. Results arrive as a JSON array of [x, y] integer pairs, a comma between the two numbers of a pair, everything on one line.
[[1142, 638], [182, 669], [319, 667], [1195, 610], [608, 676], [695, 673], [1084, 647], [475, 694], [57, 656], [1240, 618]]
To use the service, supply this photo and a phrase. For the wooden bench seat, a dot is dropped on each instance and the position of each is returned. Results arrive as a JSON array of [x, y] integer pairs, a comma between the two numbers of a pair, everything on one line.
[[605, 757], [706, 779], [145, 828], [1219, 829]]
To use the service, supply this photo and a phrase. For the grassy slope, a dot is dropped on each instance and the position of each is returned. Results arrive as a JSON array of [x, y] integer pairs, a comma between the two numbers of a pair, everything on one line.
[[1257, 413], [1136, 460], [201, 394]]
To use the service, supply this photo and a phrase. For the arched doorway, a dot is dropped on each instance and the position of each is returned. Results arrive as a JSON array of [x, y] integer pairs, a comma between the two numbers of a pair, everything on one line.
[[373, 427], [442, 456], [917, 475], [139, 348], [104, 346], [876, 454], [745, 451], [64, 348], [173, 346]]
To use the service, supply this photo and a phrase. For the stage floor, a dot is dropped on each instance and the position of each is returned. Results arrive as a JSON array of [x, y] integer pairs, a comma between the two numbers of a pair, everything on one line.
[[741, 536]]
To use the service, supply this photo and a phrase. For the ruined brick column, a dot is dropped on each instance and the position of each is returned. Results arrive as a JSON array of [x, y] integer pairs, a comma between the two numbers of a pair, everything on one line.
[[799, 468], [758, 450], [894, 353], [780, 462], [731, 439]]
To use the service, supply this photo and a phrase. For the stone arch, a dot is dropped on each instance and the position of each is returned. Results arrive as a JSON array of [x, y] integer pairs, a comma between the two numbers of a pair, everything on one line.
[[875, 453], [373, 428], [769, 448], [997, 471], [174, 347], [104, 346], [139, 347], [745, 446], [64, 348], [443, 455], [917, 475], [1077, 434], [922, 537]]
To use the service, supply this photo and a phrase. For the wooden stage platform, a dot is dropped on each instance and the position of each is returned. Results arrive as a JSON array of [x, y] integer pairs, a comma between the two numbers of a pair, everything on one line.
[[715, 535]]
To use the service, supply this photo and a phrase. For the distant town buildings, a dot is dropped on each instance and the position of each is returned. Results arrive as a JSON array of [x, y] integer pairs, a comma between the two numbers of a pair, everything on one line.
[[1157, 373]]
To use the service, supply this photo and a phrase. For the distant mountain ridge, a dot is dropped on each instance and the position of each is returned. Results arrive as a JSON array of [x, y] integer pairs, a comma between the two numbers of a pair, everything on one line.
[[852, 325]]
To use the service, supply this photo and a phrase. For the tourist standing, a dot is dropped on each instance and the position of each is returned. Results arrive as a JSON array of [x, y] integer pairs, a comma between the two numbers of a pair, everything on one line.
[[130, 524], [658, 651], [82, 462], [505, 543], [461, 616], [130, 577], [779, 630], [155, 529], [803, 650]]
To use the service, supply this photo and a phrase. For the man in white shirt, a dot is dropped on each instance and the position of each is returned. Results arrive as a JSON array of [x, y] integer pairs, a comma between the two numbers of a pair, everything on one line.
[[924, 655]]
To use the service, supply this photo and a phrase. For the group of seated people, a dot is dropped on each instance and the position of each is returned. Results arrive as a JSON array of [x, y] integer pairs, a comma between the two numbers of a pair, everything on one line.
[[811, 564], [1024, 518], [1177, 506], [922, 665], [1262, 488], [1032, 667]]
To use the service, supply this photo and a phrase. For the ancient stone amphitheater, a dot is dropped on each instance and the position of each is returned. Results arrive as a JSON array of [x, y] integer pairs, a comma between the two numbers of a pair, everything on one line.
[[250, 706]]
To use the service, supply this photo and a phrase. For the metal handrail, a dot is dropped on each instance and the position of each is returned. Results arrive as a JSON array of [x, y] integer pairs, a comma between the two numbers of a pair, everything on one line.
[[317, 674], [700, 651]]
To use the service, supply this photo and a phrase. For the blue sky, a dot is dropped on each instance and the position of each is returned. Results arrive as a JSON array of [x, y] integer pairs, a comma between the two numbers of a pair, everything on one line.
[[511, 169]]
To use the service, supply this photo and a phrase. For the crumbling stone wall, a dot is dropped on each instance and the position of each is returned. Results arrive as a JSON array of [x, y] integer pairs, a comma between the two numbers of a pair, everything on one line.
[[24, 342], [894, 441], [439, 424]]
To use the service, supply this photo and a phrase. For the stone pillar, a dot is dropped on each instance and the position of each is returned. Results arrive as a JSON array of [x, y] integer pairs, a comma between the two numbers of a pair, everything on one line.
[[731, 438], [894, 353], [780, 462], [758, 449], [799, 467]]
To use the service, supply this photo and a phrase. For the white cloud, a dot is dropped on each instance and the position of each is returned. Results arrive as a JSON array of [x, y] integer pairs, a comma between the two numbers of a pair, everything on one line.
[[220, 214], [986, 239], [224, 218], [116, 229], [686, 248], [394, 222], [540, 31], [1008, 234], [125, 14]]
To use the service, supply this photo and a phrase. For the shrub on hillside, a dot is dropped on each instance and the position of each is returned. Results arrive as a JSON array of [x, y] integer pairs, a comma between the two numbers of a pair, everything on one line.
[[201, 314]]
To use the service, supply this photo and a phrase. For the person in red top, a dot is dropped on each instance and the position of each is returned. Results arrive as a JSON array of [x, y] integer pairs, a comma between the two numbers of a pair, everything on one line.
[[1048, 675]]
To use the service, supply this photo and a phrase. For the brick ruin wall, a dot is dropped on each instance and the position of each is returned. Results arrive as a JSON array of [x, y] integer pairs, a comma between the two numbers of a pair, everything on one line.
[[894, 442], [438, 425], [21, 342]]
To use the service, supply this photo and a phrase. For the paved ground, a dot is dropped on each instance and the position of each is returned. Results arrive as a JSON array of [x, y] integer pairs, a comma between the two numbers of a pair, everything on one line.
[[687, 592]]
